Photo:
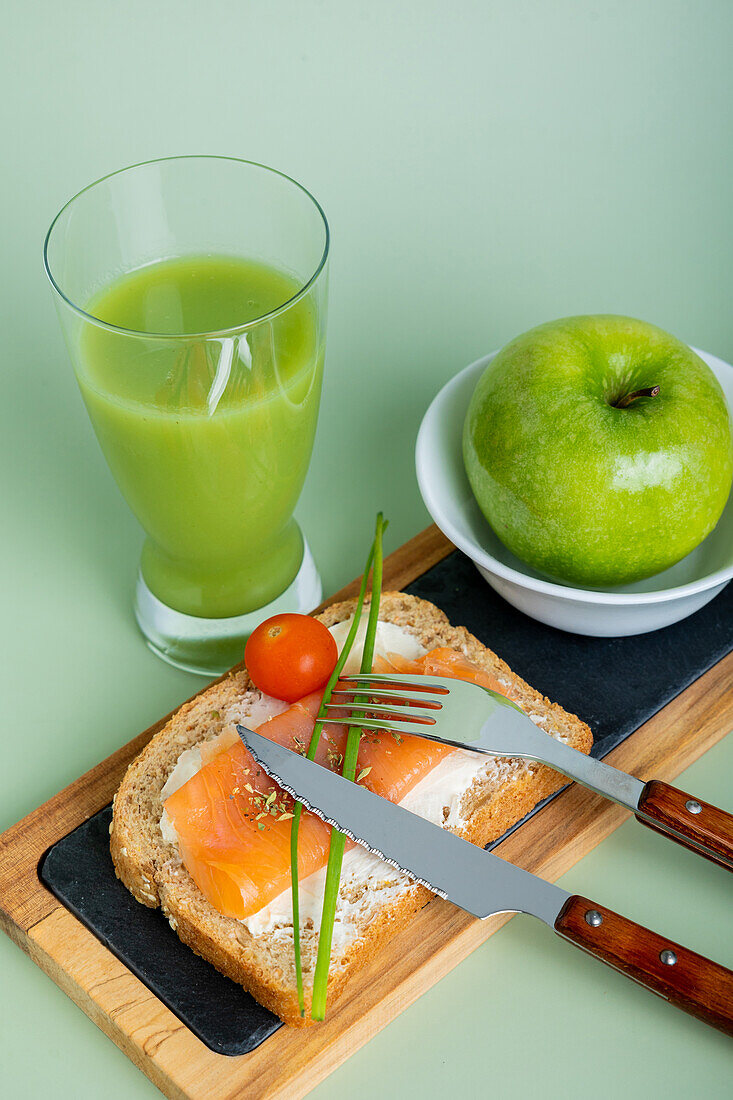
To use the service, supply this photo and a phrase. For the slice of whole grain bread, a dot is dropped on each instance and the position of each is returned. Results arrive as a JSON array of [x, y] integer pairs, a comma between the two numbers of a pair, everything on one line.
[[264, 963]]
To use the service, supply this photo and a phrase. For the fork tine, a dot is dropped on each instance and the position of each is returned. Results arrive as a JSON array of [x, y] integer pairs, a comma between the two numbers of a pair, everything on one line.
[[407, 728], [406, 714], [394, 680], [383, 693]]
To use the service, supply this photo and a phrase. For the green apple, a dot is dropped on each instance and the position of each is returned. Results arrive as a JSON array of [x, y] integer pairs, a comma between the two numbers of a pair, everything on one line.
[[599, 449]]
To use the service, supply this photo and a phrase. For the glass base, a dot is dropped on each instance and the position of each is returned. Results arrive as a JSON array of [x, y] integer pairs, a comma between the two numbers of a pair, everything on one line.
[[211, 646]]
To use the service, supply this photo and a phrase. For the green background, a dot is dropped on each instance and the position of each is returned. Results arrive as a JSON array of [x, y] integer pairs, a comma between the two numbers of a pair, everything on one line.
[[485, 167]]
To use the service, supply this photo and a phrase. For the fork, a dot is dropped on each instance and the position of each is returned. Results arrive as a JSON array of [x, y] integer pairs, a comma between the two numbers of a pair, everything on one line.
[[433, 706]]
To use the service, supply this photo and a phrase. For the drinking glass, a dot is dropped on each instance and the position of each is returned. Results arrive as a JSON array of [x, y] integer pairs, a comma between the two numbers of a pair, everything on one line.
[[202, 387]]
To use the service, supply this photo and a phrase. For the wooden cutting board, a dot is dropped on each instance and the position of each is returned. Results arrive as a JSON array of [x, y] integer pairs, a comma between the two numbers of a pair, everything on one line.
[[291, 1062]]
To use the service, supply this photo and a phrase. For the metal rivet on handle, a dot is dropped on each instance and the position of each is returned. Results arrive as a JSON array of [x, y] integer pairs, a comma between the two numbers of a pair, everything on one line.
[[693, 807], [593, 918], [668, 957]]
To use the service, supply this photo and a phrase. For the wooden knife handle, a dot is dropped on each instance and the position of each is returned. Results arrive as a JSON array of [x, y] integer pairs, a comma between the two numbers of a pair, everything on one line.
[[689, 981], [703, 828]]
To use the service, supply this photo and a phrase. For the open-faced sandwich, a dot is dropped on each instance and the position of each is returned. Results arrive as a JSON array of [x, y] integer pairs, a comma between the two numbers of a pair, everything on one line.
[[199, 831]]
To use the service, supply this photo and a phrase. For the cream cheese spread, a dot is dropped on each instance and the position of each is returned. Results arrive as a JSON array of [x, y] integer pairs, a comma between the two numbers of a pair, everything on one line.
[[390, 638]]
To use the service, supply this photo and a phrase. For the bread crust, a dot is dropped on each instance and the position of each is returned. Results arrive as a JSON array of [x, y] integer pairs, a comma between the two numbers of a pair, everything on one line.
[[153, 873]]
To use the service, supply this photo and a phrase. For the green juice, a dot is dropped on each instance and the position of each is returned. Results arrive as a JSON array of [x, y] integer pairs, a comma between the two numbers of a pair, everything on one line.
[[208, 436]]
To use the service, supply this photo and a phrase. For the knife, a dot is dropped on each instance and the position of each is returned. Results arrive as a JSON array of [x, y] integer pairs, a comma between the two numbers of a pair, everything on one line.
[[483, 884]]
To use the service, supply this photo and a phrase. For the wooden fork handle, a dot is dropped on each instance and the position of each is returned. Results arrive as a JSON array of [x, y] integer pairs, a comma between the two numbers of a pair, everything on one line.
[[691, 822], [685, 979]]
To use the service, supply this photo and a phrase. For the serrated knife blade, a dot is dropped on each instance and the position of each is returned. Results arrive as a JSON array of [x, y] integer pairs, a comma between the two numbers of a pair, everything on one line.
[[473, 879], [483, 884]]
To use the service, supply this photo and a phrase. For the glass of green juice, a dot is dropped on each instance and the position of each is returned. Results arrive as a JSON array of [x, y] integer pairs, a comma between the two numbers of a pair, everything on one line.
[[192, 296]]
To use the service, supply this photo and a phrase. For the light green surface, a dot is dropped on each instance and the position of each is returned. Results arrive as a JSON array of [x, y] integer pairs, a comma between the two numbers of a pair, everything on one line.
[[484, 167]]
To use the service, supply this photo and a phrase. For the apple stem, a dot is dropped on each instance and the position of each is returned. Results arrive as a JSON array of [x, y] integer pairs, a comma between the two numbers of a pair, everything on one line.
[[624, 402]]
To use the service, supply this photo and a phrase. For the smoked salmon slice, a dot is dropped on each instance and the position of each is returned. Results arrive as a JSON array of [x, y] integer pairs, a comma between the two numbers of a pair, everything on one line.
[[233, 822], [441, 662]]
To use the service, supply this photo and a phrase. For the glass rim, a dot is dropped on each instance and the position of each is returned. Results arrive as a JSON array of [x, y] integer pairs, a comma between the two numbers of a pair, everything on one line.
[[213, 333]]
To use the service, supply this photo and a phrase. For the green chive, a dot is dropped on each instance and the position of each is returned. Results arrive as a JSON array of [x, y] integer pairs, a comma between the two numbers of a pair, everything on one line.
[[312, 746], [338, 840]]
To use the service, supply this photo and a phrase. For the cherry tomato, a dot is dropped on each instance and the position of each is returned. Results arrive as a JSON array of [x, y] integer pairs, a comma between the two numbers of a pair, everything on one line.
[[289, 656]]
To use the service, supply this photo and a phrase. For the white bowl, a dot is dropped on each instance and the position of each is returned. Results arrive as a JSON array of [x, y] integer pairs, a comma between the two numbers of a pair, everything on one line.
[[615, 612]]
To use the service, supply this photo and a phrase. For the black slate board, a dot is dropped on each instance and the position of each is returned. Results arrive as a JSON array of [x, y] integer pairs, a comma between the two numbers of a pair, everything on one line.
[[615, 684], [79, 871]]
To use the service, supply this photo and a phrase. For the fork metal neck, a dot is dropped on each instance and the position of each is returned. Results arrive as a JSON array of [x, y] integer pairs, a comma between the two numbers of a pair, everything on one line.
[[599, 777]]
